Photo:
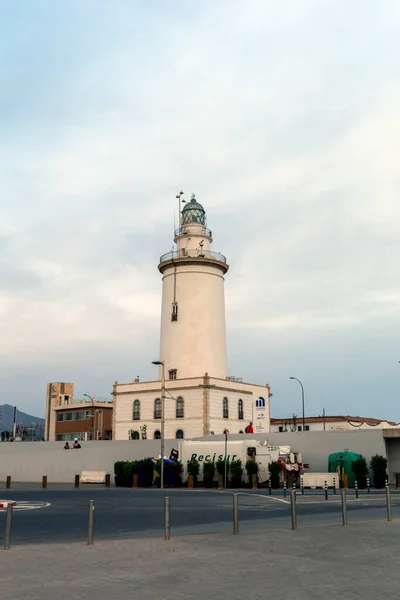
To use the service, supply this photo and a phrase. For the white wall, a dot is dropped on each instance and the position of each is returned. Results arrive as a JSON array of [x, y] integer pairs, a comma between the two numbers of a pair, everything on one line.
[[195, 343]]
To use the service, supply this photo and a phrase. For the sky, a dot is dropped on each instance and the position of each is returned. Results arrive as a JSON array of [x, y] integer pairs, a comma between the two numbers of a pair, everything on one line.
[[282, 117]]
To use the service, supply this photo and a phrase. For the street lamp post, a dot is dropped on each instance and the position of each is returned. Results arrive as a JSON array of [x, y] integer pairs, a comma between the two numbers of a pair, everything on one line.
[[302, 398], [161, 363], [179, 198], [91, 399]]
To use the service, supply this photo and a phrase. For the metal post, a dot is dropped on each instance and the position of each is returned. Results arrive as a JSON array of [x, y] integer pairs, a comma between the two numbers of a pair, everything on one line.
[[284, 489], [162, 424], [293, 508], [388, 504], [356, 489], [166, 518], [334, 486], [302, 486], [326, 490], [269, 486], [235, 515], [344, 506], [91, 522], [368, 486], [226, 459], [44, 482], [7, 538], [8, 482], [76, 485]]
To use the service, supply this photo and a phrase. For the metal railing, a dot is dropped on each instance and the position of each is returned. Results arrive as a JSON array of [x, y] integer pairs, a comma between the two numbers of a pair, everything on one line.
[[184, 230], [194, 253]]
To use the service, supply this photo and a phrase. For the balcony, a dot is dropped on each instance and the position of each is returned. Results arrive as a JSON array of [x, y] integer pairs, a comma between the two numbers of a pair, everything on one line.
[[195, 253], [184, 230]]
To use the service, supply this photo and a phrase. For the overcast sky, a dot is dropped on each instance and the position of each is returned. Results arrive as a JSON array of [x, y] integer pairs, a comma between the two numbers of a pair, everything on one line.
[[282, 117]]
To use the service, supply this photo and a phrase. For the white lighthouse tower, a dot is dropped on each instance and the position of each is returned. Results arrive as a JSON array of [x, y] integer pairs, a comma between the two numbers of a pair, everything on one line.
[[200, 399], [193, 334]]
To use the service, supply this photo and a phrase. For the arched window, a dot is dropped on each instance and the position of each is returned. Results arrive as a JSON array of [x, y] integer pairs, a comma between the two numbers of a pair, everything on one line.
[[180, 411], [157, 408], [225, 408], [135, 435], [157, 434], [179, 434], [136, 410], [240, 409]]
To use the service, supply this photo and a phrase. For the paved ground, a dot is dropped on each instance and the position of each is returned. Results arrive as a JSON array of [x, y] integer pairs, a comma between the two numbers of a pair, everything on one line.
[[360, 561], [128, 514]]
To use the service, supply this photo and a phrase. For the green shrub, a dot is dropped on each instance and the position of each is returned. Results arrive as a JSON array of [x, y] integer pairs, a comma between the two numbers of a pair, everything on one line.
[[221, 466], [208, 472], [146, 472], [274, 472], [193, 467], [251, 468], [378, 466], [120, 474], [235, 471], [360, 470]]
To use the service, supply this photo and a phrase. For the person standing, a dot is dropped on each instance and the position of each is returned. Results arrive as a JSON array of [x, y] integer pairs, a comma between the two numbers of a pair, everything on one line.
[[249, 428]]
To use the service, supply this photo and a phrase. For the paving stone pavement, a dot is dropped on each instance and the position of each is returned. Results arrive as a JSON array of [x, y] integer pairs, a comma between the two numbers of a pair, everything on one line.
[[360, 561]]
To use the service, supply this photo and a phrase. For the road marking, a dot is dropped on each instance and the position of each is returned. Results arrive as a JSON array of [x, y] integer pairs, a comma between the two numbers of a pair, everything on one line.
[[273, 498], [28, 505]]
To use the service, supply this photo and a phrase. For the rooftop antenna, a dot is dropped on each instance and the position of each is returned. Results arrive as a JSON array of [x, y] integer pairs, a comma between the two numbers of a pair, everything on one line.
[[180, 200]]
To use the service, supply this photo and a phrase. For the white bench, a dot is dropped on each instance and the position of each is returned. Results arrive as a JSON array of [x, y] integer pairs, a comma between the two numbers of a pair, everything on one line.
[[93, 477]]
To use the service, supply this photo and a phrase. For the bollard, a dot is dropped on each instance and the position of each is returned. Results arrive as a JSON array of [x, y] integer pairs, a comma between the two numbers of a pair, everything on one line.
[[368, 486], [166, 518], [356, 489], [334, 486], [293, 508], [235, 515], [326, 490], [107, 480], [284, 489], [44, 482], [388, 504], [302, 486], [8, 482], [9, 518], [91, 522], [269, 486], [344, 506], [76, 481]]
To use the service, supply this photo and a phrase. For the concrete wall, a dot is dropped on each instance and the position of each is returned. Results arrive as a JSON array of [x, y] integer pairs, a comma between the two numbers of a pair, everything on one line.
[[28, 461]]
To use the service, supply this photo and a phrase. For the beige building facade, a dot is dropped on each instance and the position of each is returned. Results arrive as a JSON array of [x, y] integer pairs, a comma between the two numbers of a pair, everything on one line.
[[200, 398], [194, 407]]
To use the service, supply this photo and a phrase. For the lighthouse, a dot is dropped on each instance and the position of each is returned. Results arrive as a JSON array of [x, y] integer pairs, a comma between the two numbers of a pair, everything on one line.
[[193, 332], [200, 397]]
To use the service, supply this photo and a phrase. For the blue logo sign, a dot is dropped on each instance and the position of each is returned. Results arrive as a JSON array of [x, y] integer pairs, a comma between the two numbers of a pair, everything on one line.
[[260, 403]]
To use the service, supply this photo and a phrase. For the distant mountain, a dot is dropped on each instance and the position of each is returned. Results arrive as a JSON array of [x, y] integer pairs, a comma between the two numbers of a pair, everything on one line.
[[7, 418]]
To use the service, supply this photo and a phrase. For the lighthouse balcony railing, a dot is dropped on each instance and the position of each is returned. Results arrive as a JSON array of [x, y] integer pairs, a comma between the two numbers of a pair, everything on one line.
[[193, 253], [184, 229]]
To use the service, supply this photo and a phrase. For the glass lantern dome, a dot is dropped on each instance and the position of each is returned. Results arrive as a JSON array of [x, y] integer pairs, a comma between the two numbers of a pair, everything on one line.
[[193, 212]]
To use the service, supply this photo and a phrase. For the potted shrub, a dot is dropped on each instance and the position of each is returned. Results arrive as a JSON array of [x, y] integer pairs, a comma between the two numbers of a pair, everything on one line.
[[208, 474], [252, 471], [146, 472], [274, 473], [120, 474], [378, 467], [360, 470], [235, 471], [177, 470], [193, 468], [221, 471]]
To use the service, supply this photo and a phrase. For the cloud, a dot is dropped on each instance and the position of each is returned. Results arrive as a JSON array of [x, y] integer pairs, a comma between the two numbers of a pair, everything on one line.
[[282, 119]]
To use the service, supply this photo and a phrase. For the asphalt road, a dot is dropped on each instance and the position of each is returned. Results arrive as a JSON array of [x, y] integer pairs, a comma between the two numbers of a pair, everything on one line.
[[127, 513]]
